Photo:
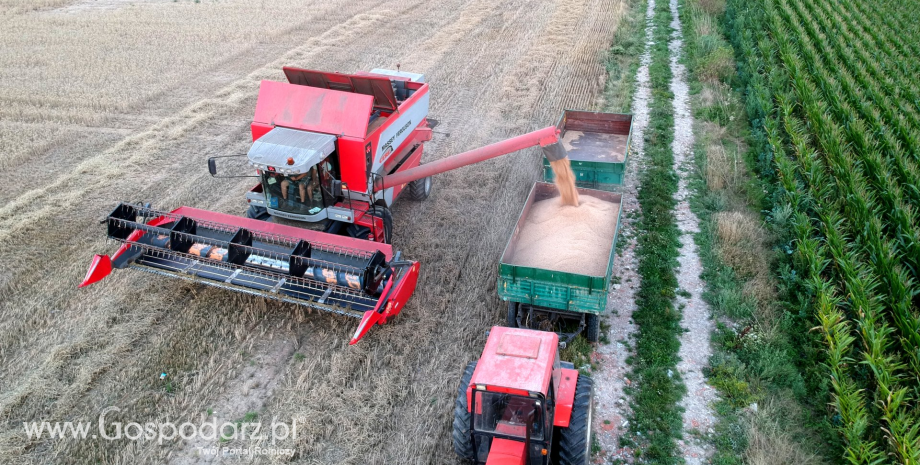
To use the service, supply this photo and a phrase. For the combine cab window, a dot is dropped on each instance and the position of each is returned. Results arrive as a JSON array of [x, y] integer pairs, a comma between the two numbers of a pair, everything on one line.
[[293, 193], [508, 415]]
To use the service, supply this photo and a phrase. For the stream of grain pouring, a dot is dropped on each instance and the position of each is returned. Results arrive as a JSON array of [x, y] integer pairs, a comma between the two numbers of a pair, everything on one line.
[[565, 181]]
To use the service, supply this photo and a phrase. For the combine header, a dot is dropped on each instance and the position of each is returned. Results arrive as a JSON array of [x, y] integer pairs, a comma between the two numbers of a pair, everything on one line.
[[328, 148], [347, 276]]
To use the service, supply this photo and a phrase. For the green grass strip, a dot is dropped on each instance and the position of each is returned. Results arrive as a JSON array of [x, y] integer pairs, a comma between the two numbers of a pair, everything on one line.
[[656, 417]]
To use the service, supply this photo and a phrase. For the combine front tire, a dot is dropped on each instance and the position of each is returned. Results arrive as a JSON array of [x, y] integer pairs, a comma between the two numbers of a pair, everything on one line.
[[258, 213], [384, 213], [575, 441], [463, 437], [419, 189], [363, 232]]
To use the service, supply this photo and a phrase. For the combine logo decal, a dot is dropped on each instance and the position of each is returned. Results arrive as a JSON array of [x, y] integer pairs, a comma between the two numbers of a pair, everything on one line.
[[388, 147], [398, 131]]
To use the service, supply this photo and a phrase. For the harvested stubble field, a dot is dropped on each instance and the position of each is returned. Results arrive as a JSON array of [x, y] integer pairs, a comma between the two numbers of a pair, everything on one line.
[[110, 101]]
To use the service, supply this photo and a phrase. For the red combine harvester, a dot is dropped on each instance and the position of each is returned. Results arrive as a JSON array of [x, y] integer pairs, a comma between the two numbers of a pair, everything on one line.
[[340, 149], [520, 405], [329, 148]]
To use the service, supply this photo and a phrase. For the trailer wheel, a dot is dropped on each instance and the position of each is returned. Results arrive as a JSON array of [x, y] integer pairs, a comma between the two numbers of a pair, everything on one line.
[[420, 189], [258, 213], [575, 441], [463, 437], [512, 314], [592, 327]]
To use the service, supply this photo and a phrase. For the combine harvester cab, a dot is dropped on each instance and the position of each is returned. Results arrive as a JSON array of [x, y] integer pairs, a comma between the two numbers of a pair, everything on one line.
[[352, 277], [341, 133]]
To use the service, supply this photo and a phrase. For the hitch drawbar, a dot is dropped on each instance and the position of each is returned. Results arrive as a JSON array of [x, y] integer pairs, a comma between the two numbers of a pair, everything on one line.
[[348, 276]]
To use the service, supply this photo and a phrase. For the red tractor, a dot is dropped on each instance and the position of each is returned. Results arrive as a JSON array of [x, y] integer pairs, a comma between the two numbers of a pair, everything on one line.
[[520, 405]]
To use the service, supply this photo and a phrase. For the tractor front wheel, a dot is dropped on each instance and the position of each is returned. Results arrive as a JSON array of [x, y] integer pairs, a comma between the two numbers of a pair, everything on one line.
[[463, 437], [575, 441]]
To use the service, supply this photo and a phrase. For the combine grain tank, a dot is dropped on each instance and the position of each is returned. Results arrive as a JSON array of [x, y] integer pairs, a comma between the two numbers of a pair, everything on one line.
[[544, 298], [597, 145]]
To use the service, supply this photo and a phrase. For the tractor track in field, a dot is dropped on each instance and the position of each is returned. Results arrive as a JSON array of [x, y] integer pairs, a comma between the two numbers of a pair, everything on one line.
[[696, 317], [611, 401], [68, 354]]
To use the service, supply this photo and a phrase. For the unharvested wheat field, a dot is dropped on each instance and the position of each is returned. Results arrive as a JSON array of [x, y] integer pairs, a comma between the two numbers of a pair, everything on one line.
[[108, 101]]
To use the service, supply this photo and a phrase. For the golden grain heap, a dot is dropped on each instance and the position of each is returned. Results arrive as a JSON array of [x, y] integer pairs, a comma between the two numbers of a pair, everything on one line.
[[565, 238]]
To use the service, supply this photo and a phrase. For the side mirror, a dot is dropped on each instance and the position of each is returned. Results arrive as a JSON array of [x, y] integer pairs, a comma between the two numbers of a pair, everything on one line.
[[234, 168], [337, 190]]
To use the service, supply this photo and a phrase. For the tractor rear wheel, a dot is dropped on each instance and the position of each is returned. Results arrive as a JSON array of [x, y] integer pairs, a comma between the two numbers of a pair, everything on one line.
[[575, 441], [463, 437], [512, 314], [419, 189], [258, 213], [592, 327]]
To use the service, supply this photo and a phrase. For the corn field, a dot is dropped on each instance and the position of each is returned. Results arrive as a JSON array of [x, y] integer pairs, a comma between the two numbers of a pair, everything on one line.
[[832, 92]]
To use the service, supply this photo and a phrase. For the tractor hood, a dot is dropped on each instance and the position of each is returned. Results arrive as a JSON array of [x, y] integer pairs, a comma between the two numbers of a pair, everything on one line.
[[506, 452], [290, 151]]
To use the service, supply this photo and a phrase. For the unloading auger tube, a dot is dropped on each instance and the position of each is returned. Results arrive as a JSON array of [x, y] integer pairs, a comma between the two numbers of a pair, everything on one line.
[[351, 277], [547, 138]]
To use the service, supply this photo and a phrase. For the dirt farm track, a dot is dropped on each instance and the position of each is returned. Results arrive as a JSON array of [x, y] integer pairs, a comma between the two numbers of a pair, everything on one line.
[[109, 101]]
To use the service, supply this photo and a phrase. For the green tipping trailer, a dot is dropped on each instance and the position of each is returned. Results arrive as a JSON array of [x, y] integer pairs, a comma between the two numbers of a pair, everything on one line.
[[597, 146], [538, 297]]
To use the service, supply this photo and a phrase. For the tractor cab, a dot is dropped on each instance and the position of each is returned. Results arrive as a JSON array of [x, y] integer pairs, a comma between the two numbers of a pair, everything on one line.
[[510, 425], [519, 403], [297, 173]]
